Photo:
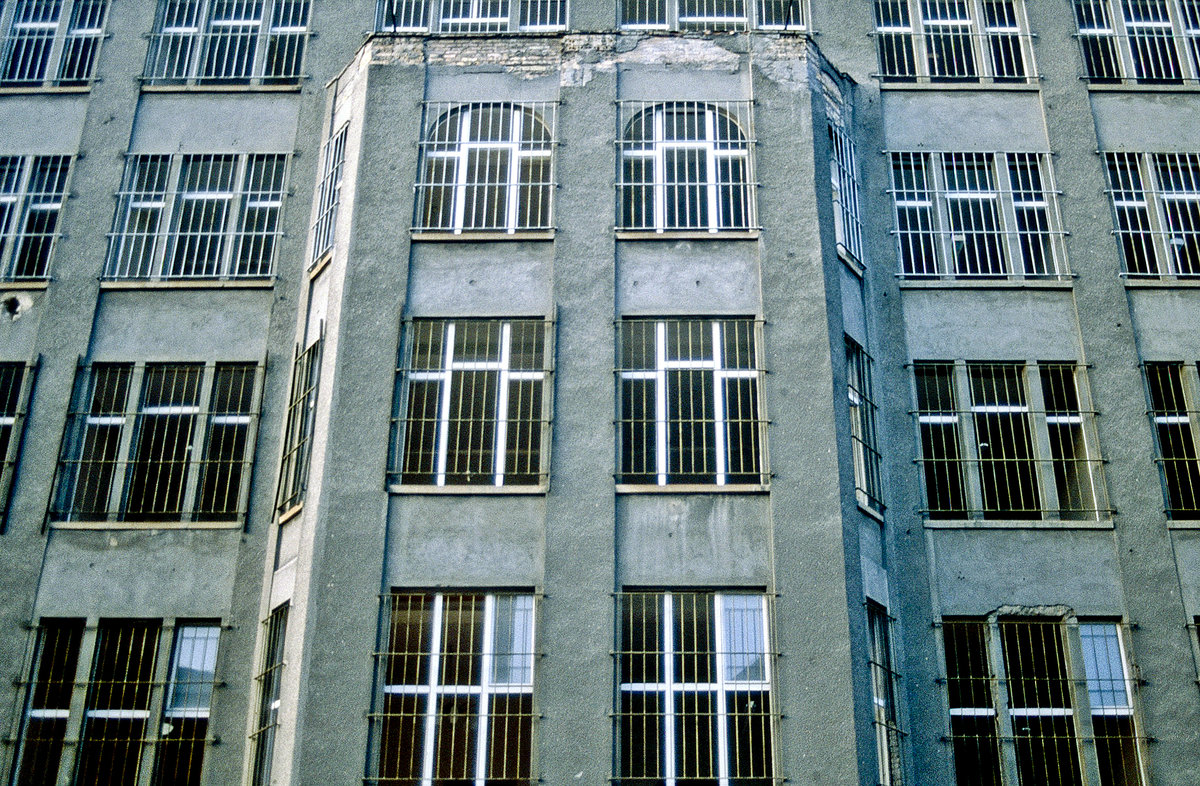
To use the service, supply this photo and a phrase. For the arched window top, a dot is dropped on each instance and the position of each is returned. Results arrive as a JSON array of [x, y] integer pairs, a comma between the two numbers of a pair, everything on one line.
[[501, 123]]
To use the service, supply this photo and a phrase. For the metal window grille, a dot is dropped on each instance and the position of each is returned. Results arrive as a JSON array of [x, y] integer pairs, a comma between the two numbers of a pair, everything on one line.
[[977, 215], [843, 169], [1143, 41], [50, 42], [472, 404], [159, 442], [885, 691], [713, 15], [470, 16], [33, 190], [686, 165], [197, 216], [694, 675], [330, 193], [1156, 212], [93, 694], [1026, 695], [1172, 389], [690, 406], [16, 383], [298, 431], [1008, 441], [864, 439], [487, 166], [953, 41], [457, 674], [198, 42], [270, 683]]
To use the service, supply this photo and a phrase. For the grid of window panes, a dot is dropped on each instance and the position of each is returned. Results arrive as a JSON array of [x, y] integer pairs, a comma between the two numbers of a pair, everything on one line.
[[694, 674], [16, 380], [843, 170], [236, 42], [885, 692], [1008, 441], [457, 690], [33, 190], [269, 687], [864, 438], [94, 694], [977, 215], [1172, 388], [487, 167], [329, 195], [1156, 212], [953, 41], [1143, 41], [159, 442], [298, 431], [713, 15], [470, 16], [1017, 711], [472, 404], [686, 166], [690, 407], [50, 43]]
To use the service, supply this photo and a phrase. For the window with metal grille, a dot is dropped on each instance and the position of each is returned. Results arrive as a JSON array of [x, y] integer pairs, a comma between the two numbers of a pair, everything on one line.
[[694, 704], [239, 42], [1142, 41], [843, 170], [197, 216], [94, 691], [864, 440], [470, 16], [1173, 389], [1156, 212], [50, 43], [329, 195], [270, 683], [953, 41], [457, 676], [298, 431], [33, 190], [1017, 714], [1008, 441], [686, 165], [713, 14], [159, 442], [977, 215], [16, 382], [487, 167], [885, 691], [690, 408], [473, 404]]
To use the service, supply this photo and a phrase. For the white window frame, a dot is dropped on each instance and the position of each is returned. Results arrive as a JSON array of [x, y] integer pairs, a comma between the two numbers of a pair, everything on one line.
[[864, 434], [1105, 27], [1143, 214], [44, 41], [329, 195], [33, 191], [711, 15], [885, 696], [430, 16]]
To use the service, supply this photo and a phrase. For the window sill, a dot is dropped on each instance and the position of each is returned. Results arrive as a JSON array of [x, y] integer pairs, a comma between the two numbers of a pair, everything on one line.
[[985, 283], [283, 517], [1103, 524], [1162, 282], [318, 267], [185, 283], [671, 235], [856, 268], [223, 88], [45, 89], [1139, 87], [39, 283], [871, 512], [1184, 524], [146, 525], [473, 235], [925, 86], [411, 489], [693, 488]]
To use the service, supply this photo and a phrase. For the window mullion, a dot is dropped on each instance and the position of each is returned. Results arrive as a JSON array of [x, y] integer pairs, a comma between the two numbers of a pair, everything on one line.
[[668, 710], [79, 691], [712, 192], [258, 67], [721, 700], [661, 447], [196, 447], [1081, 701], [998, 675], [719, 423], [660, 169], [230, 238], [443, 437], [168, 232], [1156, 214], [461, 175], [937, 185], [1007, 209], [512, 190], [56, 43], [154, 706], [1039, 427], [131, 414], [499, 447], [429, 749], [485, 689], [970, 442]]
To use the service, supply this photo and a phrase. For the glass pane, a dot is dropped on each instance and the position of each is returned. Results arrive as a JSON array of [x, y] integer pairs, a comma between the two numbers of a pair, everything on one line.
[[745, 645]]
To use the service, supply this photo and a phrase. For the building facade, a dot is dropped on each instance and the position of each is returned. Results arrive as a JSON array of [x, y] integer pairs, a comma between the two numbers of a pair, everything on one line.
[[635, 391]]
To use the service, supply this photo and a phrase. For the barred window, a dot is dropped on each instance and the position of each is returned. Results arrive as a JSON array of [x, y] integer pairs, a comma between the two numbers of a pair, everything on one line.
[[270, 684], [1016, 715], [1143, 41], [240, 42], [457, 679], [885, 692], [977, 215], [473, 403], [713, 14], [470, 16], [298, 430], [33, 190], [50, 43], [843, 170], [487, 167], [16, 381], [108, 671], [694, 674], [1173, 388], [690, 402], [1156, 211], [686, 165], [864, 439], [1008, 441], [329, 195], [159, 442]]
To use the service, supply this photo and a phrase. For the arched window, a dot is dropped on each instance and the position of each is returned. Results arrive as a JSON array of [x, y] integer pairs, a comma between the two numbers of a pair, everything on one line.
[[686, 166], [487, 167]]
